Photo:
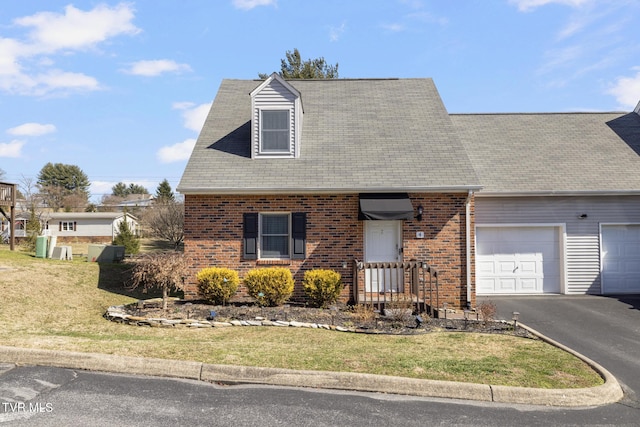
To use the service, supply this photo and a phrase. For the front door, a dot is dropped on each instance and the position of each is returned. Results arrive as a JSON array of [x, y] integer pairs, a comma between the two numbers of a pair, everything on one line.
[[383, 243]]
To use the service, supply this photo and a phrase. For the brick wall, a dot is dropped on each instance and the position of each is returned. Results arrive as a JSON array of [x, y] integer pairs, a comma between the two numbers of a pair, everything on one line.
[[214, 231]]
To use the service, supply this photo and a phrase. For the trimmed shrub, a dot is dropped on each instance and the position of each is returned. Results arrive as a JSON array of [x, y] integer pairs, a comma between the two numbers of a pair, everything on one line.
[[269, 286], [322, 287], [217, 284]]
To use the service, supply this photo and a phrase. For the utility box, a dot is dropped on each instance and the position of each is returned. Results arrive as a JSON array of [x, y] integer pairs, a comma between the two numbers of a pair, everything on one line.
[[105, 253], [42, 243]]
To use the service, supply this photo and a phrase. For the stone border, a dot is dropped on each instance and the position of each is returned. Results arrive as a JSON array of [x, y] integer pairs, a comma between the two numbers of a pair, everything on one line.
[[117, 313]]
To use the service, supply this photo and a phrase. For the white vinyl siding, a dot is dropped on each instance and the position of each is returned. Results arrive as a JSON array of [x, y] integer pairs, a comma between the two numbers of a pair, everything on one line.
[[268, 137], [582, 244]]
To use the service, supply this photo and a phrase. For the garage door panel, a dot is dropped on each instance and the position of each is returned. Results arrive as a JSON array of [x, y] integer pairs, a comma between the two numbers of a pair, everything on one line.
[[620, 259], [529, 285], [525, 260]]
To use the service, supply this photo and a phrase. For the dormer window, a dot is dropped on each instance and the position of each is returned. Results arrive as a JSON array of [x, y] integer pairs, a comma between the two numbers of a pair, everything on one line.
[[274, 133], [276, 120]]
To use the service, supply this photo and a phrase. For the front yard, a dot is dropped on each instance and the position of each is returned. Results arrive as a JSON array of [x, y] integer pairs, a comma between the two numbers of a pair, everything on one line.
[[60, 305]]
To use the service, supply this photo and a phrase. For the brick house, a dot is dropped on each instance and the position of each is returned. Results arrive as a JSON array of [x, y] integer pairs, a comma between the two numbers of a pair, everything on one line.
[[366, 177]]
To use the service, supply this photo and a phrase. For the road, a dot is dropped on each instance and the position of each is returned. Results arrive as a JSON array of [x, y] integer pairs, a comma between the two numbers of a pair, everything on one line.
[[57, 397]]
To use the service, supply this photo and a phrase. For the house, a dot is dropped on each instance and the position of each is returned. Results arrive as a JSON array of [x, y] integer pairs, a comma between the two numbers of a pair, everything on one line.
[[91, 227], [366, 177], [559, 212]]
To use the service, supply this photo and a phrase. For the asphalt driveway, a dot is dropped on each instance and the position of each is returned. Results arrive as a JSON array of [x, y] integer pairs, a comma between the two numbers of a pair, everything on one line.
[[605, 329]]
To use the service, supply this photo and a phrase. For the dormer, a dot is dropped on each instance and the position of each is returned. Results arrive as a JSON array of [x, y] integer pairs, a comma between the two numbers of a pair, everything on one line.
[[276, 119]]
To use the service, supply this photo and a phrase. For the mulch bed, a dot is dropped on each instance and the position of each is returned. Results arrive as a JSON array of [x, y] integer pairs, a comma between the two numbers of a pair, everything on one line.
[[348, 317]]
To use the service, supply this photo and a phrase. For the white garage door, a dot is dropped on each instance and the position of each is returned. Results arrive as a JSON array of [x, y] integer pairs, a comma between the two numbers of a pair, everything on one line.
[[517, 260], [620, 259]]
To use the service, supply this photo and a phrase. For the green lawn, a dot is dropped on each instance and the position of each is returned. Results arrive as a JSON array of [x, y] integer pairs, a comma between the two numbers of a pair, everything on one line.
[[59, 305]]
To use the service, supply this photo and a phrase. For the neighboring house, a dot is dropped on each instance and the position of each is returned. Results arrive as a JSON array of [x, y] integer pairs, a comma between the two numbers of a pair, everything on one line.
[[311, 174], [560, 207], [93, 227]]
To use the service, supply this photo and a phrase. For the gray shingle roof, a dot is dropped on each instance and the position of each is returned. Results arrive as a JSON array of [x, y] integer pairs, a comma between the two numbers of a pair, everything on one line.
[[553, 153], [358, 135]]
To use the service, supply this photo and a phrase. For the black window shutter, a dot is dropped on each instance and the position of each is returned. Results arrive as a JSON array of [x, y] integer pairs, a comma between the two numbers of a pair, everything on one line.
[[299, 234], [250, 236]]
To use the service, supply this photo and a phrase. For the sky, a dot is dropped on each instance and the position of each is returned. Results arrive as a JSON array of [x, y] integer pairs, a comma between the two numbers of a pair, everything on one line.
[[122, 88]]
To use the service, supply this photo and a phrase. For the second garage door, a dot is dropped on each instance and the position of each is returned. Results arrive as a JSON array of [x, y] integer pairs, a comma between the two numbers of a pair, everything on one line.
[[517, 260], [620, 259]]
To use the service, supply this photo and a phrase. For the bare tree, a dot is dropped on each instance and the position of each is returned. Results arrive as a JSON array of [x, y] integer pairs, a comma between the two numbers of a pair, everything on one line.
[[159, 270], [166, 221]]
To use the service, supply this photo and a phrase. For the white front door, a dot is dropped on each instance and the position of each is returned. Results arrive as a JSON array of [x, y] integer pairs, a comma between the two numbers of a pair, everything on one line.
[[383, 243]]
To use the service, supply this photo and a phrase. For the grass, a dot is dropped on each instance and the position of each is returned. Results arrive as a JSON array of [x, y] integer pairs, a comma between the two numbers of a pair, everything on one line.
[[50, 304]]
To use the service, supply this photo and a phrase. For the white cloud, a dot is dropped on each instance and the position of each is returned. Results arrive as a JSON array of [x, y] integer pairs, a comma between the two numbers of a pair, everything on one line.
[[396, 27], [151, 68], [193, 115], [25, 65], [11, 149], [528, 5], [336, 32], [31, 129], [250, 4], [626, 90], [77, 29], [176, 152]]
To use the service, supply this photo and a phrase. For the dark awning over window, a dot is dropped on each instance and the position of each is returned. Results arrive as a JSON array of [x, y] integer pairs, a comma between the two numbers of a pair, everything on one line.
[[385, 206]]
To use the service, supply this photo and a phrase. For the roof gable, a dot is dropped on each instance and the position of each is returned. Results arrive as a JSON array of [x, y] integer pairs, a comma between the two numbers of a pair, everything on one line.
[[359, 135]]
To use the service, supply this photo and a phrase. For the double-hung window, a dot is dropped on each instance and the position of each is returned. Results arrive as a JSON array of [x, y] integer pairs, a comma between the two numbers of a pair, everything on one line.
[[274, 235], [274, 131]]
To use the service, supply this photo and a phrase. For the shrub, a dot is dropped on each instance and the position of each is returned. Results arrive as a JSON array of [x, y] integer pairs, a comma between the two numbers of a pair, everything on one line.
[[159, 270], [216, 284], [322, 287], [488, 311], [269, 286]]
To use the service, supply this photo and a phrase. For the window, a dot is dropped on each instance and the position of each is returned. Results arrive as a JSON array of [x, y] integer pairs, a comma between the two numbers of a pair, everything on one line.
[[67, 226], [274, 133], [274, 235]]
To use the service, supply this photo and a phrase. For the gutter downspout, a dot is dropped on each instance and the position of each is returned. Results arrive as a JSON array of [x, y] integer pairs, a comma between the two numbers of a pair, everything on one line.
[[467, 206]]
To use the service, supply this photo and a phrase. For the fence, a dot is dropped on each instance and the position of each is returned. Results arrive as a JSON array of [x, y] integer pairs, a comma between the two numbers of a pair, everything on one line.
[[381, 283]]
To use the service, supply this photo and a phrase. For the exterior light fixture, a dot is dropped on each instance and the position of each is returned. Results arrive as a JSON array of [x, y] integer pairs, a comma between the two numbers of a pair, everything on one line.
[[420, 212], [583, 216], [515, 318]]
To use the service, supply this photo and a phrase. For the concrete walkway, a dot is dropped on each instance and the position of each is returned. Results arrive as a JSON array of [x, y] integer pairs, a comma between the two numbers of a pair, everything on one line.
[[607, 393]]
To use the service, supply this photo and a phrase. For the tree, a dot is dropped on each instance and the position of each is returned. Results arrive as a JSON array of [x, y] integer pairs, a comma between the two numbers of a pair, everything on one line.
[[164, 193], [159, 270], [126, 238], [64, 186], [166, 221], [122, 190], [2, 174], [294, 68]]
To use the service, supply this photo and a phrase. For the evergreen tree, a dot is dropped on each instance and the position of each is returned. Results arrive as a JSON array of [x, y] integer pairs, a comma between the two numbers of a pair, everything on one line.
[[126, 238], [64, 186], [164, 194], [32, 229], [293, 67]]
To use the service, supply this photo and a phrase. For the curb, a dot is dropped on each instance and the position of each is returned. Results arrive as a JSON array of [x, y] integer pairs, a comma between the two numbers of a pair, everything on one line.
[[609, 392]]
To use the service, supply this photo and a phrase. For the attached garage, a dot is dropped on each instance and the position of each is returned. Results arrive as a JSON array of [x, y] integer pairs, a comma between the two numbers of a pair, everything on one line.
[[518, 260], [620, 256]]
